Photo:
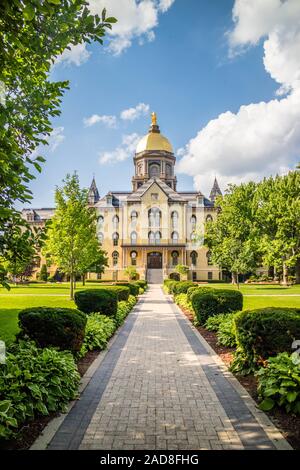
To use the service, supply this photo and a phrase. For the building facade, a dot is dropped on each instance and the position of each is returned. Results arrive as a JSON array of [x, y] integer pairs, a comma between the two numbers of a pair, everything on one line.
[[153, 227]]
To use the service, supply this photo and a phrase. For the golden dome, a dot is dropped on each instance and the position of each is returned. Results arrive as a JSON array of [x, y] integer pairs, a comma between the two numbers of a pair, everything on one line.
[[154, 140]]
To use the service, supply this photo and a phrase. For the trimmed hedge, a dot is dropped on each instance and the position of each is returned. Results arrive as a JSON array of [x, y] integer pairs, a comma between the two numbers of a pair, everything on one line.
[[193, 289], [122, 291], [208, 303], [60, 327], [101, 300], [142, 283], [181, 287], [263, 333], [132, 286]]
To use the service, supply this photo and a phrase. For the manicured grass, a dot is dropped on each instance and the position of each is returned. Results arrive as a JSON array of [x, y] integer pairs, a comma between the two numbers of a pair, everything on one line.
[[57, 295]]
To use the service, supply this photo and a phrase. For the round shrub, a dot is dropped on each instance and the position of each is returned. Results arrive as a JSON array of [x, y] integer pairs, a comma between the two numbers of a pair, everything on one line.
[[182, 287], [142, 283], [121, 290], [60, 327], [207, 303], [133, 288], [101, 300], [195, 288], [265, 332]]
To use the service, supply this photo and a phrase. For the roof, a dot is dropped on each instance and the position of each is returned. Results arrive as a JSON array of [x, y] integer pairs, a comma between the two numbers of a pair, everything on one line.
[[171, 194]]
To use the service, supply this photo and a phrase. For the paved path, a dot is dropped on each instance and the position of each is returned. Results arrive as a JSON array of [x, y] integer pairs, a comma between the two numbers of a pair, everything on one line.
[[160, 387]]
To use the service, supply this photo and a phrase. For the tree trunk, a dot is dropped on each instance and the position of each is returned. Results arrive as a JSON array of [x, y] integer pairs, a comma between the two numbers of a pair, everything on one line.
[[297, 271], [234, 278], [285, 274], [83, 279], [72, 286]]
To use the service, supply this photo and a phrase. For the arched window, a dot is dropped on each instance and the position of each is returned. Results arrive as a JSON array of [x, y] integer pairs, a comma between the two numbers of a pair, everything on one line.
[[175, 256], [115, 258], [193, 237], [100, 220], [115, 221], [154, 217], [157, 237], [194, 257], [154, 170], [133, 238], [174, 219], [100, 237], [209, 218], [133, 218], [168, 169], [133, 256], [193, 222], [209, 258], [174, 237], [151, 238], [115, 238]]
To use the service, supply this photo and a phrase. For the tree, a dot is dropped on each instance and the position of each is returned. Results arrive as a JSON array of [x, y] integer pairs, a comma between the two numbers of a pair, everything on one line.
[[232, 237], [32, 34], [93, 260], [20, 250], [72, 242], [278, 222], [131, 272], [44, 273]]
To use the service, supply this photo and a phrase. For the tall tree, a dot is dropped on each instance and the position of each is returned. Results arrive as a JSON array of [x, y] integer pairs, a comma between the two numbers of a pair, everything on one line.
[[72, 242], [278, 221], [32, 34], [232, 236]]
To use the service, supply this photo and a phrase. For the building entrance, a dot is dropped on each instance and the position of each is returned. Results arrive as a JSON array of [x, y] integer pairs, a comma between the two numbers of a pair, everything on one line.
[[154, 260]]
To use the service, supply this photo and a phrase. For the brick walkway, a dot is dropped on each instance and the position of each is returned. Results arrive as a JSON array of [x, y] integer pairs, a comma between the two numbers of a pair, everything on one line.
[[159, 387]]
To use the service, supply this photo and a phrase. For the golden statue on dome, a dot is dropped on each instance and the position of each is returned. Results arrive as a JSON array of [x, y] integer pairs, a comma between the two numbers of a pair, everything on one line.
[[154, 119]]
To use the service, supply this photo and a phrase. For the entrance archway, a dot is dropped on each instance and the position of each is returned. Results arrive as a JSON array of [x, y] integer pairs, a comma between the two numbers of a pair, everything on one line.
[[154, 260]]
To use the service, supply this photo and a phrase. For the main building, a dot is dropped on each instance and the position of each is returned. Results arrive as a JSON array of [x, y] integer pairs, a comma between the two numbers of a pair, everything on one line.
[[154, 227]]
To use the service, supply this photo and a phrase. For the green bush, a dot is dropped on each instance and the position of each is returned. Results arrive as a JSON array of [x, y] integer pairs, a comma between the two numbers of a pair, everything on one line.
[[141, 291], [226, 332], [193, 289], [34, 382], [182, 301], [208, 303], [123, 310], [279, 383], [182, 287], [169, 286], [100, 300], [213, 323], [263, 333], [142, 283], [132, 286], [122, 291], [99, 329], [44, 273], [60, 327]]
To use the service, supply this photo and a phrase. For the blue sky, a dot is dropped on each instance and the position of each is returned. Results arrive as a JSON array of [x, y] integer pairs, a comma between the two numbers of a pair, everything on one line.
[[190, 73]]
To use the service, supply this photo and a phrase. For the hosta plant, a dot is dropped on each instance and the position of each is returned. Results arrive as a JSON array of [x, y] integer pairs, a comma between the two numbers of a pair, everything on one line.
[[279, 383]]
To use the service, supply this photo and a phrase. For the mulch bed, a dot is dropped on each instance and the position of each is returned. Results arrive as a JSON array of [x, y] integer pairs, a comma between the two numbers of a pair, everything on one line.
[[30, 431], [289, 425]]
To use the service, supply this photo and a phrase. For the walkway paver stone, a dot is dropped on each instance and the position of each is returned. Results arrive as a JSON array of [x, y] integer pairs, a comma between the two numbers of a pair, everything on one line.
[[159, 387]]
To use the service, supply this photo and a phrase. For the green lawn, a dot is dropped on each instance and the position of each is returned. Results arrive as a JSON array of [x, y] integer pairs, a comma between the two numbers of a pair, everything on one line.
[[57, 295]]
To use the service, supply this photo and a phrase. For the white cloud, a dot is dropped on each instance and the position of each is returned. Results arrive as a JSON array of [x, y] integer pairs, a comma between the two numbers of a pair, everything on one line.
[[131, 114], [136, 19], [164, 5], [76, 55], [122, 152], [56, 138], [109, 121], [261, 138]]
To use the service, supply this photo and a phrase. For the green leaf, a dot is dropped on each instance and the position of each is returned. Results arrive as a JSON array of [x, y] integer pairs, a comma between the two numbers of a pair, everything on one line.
[[103, 14], [54, 2], [29, 12], [291, 396], [267, 404], [111, 19]]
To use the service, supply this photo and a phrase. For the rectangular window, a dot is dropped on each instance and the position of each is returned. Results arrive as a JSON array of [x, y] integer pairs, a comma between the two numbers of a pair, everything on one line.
[[209, 275], [154, 196]]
